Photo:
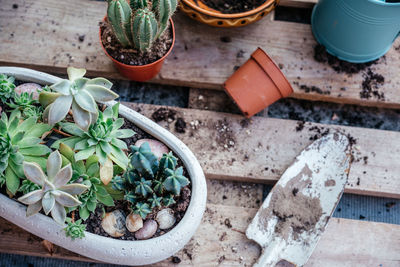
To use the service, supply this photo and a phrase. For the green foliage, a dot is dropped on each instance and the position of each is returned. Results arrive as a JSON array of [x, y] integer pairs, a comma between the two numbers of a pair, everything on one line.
[[2, 180], [26, 104], [75, 229], [7, 87], [149, 183], [139, 24], [27, 187], [87, 173], [77, 93], [102, 139], [20, 141], [55, 194]]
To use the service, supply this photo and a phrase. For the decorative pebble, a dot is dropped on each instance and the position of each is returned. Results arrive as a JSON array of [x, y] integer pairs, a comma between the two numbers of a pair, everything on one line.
[[114, 223], [134, 222], [30, 88], [158, 148], [165, 218], [147, 231]]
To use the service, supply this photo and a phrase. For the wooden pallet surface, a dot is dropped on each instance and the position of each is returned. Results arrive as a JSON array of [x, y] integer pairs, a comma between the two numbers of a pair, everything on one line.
[[199, 59], [220, 239], [263, 148]]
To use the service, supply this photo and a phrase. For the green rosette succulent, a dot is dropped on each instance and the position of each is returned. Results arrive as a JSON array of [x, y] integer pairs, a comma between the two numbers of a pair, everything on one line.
[[78, 94], [87, 173], [102, 139], [149, 183], [26, 104], [7, 87], [75, 229], [56, 193], [20, 141]]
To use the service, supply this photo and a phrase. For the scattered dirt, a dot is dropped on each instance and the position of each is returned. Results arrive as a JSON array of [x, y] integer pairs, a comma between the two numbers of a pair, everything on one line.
[[163, 114], [180, 125], [296, 212], [131, 56], [225, 136], [300, 126], [314, 89], [371, 84], [176, 260], [338, 65], [390, 204], [232, 6]]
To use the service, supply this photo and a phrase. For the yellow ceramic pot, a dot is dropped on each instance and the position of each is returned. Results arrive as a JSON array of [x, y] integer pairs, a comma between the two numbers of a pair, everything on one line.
[[199, 11]]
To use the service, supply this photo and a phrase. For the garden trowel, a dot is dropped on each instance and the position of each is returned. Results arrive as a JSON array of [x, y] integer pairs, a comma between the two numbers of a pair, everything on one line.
[[294, 215]]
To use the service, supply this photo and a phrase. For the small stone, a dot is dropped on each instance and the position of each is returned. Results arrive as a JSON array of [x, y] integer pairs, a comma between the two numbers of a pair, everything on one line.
[[114, 223], [165, 218], [134, 222], [147, 231], [158, 148], [30, 88]]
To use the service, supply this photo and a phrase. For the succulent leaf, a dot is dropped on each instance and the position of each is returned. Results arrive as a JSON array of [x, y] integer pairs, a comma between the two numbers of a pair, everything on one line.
[[175, 180], [75, 229], [142, 209], [34, 172]]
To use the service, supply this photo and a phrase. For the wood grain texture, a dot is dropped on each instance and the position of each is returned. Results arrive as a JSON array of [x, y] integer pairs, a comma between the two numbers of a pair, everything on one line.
[[45, 34], [260, 150], [220, 240]]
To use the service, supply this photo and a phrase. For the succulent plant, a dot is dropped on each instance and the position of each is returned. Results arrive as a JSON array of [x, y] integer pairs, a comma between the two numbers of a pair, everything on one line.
[[102, 139], [150, 183], [25, 103], [139, 24], [28, 186], [7, 87], [87, 173], [20, 141], [55, 194], [78, 93], [75, 229]]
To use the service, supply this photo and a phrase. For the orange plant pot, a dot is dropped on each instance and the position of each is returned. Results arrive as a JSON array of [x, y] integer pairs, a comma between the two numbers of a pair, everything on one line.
[[257, 84], [144, 72]]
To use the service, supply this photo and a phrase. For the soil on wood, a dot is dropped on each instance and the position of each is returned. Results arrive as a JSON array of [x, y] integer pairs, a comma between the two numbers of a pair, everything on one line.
[[296, 212], [225, 136], [132, 56], [338, 65], [232, 6], [163, 114], [371, 84]]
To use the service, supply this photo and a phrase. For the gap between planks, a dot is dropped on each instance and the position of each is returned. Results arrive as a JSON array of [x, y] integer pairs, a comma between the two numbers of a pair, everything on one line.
[[259, 150], [199, 58]]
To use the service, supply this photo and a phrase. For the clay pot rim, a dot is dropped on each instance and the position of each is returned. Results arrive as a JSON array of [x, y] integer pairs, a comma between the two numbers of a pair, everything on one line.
[[140, 66], [228, 16], [276, 75]]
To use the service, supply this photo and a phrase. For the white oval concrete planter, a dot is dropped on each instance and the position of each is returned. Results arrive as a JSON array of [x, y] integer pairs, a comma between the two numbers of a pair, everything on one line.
[[107, 249]]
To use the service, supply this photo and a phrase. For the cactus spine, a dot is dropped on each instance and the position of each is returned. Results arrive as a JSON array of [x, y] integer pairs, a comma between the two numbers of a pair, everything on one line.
[[144, 29], [164, 10], [119, 16], [139, 23]]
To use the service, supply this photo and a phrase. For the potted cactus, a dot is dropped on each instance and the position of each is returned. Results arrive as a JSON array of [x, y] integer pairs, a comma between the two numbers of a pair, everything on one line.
[[93, 176], [138, 36]]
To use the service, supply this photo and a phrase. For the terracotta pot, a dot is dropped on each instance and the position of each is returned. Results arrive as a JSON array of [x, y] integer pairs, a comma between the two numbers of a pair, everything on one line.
[[199, 11], [257, 84], [140, 73]]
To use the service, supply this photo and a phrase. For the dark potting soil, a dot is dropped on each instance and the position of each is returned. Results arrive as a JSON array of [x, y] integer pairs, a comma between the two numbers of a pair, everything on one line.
[[131, 56], [338, 65], [371, 84], [233, 6]]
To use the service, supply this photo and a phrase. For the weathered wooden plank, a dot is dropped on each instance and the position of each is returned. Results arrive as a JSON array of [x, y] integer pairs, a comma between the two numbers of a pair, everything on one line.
[[45, 35], [220, 240], [259, 150]]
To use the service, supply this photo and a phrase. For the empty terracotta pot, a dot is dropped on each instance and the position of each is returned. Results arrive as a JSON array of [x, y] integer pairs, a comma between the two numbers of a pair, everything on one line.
[[257, 84], [144, 72]]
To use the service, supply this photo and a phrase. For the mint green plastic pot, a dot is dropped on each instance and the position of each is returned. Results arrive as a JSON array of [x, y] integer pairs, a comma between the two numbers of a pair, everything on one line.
[[356, 30]]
